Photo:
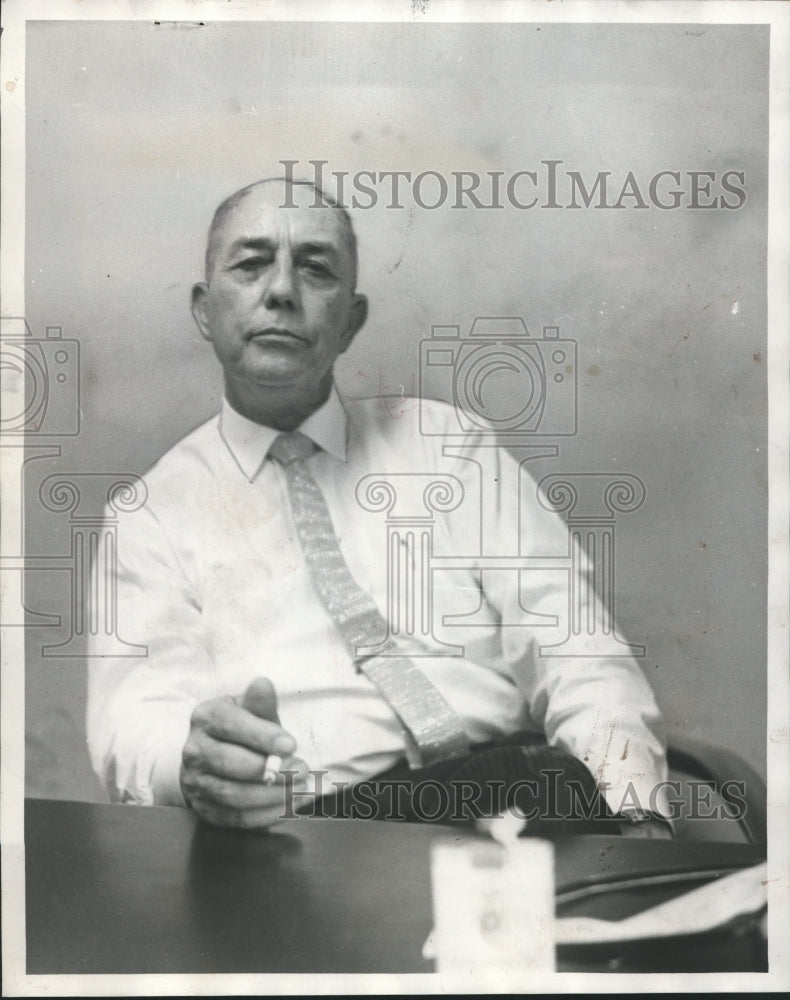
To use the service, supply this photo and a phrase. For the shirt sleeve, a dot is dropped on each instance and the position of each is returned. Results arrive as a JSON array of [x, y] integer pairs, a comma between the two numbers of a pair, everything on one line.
[[598, 707], [139, 706]]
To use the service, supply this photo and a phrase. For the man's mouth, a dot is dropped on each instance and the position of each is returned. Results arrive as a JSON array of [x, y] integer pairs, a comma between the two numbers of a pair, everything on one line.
[[275, 333]]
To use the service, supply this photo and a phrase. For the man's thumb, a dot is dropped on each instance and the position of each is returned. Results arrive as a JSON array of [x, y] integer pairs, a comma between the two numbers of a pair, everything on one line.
[[260, 698]]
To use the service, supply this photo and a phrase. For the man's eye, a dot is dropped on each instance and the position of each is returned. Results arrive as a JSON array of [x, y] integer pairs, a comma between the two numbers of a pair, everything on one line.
[[316, 267], [251, 264]]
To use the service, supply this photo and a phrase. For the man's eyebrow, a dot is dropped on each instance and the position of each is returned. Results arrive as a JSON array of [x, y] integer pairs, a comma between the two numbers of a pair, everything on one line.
[[316, 246], [259, 243], [263, 243]]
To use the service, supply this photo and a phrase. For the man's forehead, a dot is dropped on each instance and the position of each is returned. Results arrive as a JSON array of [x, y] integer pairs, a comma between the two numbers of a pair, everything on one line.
[[276, 207]]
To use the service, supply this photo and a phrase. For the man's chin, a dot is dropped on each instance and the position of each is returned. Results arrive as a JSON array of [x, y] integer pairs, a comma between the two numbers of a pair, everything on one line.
[[278, 374], [273, 379], [282, 377]]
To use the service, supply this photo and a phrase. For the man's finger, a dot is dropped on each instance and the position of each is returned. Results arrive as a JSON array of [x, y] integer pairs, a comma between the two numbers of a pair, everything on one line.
[[225, 720], [229, 760], [226, 760], [247, 819], [224, 795], [260, 698]]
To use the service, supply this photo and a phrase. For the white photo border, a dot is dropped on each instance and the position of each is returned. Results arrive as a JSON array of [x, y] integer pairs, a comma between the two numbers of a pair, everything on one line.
[[13, 86]]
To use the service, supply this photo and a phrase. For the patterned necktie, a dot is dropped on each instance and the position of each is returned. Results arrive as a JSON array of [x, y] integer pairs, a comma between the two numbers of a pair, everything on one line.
[[433, 731]]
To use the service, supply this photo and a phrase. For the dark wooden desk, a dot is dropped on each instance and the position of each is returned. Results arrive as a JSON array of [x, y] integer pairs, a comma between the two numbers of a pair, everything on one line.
[[123, 889]]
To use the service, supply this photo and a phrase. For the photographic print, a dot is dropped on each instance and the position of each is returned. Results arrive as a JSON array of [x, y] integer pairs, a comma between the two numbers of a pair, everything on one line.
[[394, 472]]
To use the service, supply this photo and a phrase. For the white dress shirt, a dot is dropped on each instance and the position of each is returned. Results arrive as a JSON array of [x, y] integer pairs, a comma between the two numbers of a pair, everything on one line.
[[211, 578]]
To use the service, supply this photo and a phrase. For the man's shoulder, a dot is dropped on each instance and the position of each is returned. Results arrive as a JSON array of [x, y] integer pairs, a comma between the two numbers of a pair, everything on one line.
[[401, 417], [188, 458], [424, 426]]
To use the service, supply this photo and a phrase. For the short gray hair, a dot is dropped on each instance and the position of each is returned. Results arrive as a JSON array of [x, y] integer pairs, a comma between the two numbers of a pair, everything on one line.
[[231, 203]]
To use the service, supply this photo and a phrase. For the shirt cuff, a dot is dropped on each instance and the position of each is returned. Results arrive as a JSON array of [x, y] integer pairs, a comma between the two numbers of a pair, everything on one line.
[[166, 783], [165, 773], [148, 773], [644, 791]]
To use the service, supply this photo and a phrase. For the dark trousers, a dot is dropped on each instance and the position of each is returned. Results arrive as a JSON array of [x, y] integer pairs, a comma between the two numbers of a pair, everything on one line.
[[552, 791]]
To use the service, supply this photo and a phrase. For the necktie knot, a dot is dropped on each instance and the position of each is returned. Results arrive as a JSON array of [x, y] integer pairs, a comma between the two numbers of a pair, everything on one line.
[[291, 447]]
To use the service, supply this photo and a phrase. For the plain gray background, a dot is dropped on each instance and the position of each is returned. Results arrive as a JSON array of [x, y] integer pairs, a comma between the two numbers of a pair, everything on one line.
[[135, 131]]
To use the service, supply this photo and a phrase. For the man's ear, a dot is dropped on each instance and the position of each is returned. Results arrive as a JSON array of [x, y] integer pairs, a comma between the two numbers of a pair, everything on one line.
[[199, 296], [359, 313]]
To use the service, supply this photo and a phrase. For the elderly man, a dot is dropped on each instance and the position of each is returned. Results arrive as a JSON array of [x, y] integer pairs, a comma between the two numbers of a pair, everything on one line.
[[254, 578]]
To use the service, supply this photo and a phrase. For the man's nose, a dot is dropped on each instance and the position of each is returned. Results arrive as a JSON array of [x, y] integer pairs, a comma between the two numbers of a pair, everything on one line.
[[281, 289]]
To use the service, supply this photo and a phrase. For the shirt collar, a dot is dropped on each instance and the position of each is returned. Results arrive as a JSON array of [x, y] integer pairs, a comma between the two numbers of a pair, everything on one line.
[[249, 442]]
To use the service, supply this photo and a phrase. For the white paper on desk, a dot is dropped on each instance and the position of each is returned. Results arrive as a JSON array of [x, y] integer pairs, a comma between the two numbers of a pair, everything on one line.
[[695, 912], [700, 910]]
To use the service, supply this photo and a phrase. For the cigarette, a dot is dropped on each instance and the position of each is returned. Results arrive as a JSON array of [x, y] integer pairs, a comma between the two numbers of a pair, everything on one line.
[[273, 765]]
